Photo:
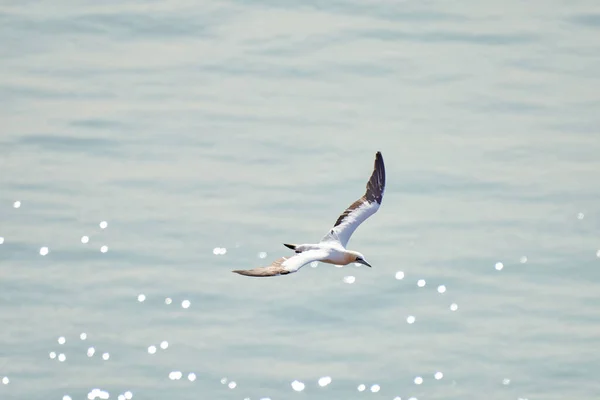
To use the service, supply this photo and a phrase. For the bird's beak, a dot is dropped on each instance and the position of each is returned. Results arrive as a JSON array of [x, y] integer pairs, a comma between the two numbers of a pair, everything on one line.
[[364, 263]]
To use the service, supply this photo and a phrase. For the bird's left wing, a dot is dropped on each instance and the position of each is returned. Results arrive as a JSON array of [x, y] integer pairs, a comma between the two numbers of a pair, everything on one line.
[[362, 208], [285, 265]]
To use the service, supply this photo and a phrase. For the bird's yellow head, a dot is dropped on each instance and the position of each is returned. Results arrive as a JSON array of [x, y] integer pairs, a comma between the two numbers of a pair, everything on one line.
[[360, 258]]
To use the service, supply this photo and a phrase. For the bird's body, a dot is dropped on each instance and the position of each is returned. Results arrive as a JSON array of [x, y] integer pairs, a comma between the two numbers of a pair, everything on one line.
[[332, 247]]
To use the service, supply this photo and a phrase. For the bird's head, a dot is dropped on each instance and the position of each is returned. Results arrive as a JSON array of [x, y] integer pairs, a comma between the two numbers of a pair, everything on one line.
[[360, 258]]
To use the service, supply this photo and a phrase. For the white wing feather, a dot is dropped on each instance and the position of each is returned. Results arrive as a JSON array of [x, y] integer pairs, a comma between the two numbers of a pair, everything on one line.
[[286, 265], [361, 209], [299, 260], [342, 232]]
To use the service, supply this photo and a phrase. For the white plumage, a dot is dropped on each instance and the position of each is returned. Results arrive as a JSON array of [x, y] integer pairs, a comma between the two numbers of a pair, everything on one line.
[[332, 247]]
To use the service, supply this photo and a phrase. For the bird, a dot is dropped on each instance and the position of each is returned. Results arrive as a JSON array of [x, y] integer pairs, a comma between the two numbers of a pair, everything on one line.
[[332, 247]]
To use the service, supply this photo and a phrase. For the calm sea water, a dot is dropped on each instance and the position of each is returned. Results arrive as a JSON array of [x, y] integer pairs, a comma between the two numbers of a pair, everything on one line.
[[191, 127]]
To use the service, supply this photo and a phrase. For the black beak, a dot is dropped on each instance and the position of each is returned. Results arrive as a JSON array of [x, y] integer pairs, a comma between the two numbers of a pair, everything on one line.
[[361, 261]]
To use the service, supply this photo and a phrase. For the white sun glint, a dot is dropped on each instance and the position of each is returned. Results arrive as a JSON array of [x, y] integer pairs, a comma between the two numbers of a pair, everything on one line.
[[453, 307], [164, 345], [186, 304], [44, 250], [349, 279], [324, 381], [52, 355], [5, 380], [523, 259], [66, 397], [168, 301], [128, 395], [103, 225], [411, 319], [315, 263], [361, 388], [506, 381], [151, 349], [580, 215], [1, 240], [85, 239], [262, 254], [105, 356], [441, 289], [499, 266], [399, 275], [375, 388], [62, 357], [62, 340], [219, 251], [91, 351], [83, 336], [438, 375], [175, 375], [223, 381], [191, 377], [421, 283], [17, 204], [598, 254], [104, 249], [141, 297], [418, 380], [297, 386], [98, 394], [232, 385]]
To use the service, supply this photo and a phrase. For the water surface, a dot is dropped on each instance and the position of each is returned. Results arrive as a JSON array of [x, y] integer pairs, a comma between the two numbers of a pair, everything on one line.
[[190, 126]]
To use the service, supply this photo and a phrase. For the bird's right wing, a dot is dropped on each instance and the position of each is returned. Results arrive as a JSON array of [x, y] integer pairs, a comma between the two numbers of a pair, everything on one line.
[[285, 265], [362, 208]]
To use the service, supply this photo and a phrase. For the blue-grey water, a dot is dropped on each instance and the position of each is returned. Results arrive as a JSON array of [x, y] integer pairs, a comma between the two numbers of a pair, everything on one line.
[[190, 127]]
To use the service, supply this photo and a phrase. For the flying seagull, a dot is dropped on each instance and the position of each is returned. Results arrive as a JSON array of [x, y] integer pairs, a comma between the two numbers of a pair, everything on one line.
[[332, 247]]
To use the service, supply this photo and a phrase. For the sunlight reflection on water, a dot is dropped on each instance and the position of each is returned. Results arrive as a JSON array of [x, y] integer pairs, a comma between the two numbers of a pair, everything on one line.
[[296, 385], [324, 381]]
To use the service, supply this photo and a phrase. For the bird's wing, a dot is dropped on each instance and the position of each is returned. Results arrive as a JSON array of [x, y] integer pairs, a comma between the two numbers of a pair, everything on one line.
[[285, 265], [362, 208]]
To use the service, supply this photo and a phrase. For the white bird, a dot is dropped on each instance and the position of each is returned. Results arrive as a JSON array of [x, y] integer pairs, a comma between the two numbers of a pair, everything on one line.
[[332, 247]]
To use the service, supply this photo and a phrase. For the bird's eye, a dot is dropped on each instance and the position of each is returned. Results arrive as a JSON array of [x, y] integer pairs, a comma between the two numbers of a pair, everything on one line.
[[358, 258]]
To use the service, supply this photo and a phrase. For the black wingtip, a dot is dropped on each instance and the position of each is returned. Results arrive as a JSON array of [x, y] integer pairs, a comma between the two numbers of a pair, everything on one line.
[[290, 246], [376, 184]]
